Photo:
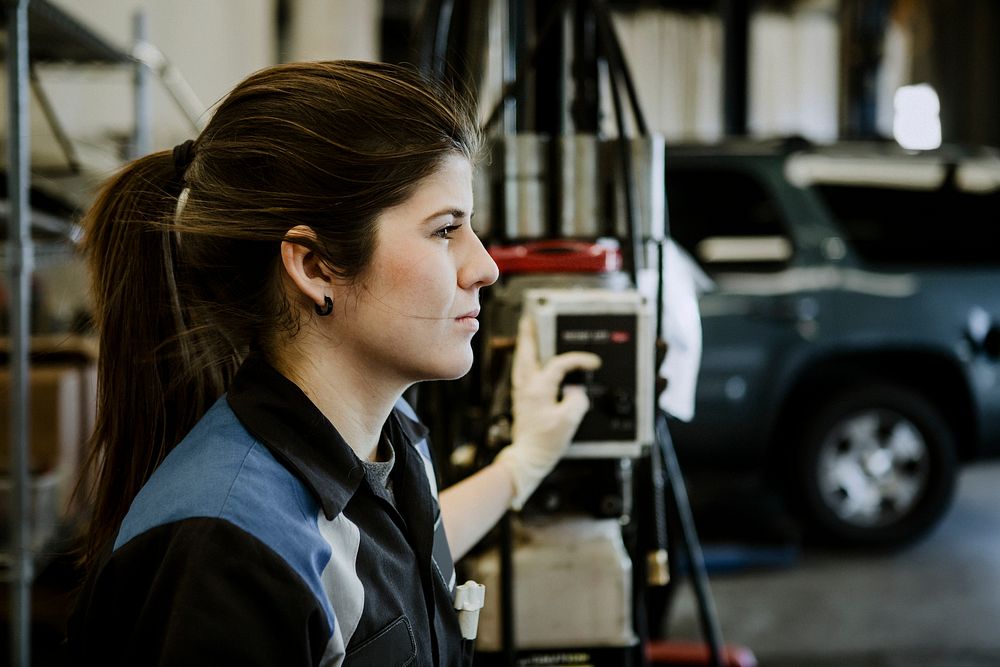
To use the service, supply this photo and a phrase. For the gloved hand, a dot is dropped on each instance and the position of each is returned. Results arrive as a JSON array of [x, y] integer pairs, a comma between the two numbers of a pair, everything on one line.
[[543, 426]]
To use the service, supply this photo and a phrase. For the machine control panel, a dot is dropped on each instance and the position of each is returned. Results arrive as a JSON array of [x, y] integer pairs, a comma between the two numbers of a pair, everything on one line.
[[618, 327]]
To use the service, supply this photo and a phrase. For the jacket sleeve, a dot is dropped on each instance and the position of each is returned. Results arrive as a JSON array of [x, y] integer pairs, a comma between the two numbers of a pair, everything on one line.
[[198, 592]]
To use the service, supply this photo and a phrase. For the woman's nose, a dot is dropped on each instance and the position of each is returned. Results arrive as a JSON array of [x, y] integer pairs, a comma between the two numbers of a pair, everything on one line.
[[479, 269]]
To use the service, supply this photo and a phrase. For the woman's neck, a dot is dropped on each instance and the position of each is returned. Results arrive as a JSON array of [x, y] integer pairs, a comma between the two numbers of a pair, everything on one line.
[[348, 394]]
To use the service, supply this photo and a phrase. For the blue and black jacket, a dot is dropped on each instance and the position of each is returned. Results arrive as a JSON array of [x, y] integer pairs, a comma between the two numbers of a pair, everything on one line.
[[260, 541]]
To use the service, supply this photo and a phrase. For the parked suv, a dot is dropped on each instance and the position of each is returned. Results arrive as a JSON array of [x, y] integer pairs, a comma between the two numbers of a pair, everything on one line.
[[851, 341]]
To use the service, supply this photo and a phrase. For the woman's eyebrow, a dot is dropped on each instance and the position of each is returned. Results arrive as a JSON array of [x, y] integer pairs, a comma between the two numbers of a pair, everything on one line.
[[453, 212]]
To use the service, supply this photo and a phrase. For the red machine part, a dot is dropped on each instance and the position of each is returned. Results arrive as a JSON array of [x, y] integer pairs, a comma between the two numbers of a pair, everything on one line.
[[694, 654], [557, 256]]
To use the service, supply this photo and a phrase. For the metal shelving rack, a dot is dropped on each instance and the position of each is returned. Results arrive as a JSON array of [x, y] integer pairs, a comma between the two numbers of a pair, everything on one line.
[[36, 31]]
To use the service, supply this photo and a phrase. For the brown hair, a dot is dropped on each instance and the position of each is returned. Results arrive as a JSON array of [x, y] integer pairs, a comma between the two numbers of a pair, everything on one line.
[[183, 292]]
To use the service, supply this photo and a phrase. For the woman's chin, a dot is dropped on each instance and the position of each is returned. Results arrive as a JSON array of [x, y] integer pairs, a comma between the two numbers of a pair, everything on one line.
[[456, 369]]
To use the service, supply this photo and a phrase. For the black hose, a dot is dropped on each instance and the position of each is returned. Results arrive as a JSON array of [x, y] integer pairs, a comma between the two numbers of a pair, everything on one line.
[[519, 81], [425, 36], [616, 60], [690, 544], [615, 52], [633, 237], [442, 32], [658, 499]]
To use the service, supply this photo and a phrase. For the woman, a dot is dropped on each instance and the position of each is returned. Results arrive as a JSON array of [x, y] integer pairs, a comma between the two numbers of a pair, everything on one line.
[[264, 295]]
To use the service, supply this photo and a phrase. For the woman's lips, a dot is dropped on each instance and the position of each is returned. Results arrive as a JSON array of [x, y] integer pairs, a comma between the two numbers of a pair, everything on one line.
[[469, 320]]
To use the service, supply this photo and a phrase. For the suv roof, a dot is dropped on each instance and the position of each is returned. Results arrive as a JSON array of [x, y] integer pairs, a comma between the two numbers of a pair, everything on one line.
[[871, 163], [977, 171]]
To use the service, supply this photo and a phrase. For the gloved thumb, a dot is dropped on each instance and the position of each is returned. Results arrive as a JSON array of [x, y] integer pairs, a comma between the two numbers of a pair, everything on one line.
[[574, 404]]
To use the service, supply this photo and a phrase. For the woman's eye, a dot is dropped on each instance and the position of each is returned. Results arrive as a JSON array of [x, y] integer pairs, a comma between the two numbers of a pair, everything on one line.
[[446, 232]]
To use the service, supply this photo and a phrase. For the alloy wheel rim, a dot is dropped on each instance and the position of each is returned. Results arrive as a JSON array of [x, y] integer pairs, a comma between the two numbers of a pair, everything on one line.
[[873, 467]]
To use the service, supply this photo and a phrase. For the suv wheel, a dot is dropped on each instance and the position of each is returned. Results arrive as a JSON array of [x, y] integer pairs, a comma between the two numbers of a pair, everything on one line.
[[877, 467]]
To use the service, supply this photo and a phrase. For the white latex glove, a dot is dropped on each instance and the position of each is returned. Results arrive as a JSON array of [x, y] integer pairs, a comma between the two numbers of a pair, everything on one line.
[[543, 426]]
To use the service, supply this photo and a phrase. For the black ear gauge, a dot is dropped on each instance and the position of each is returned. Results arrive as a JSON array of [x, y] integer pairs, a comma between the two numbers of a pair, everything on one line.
[[326, 308]]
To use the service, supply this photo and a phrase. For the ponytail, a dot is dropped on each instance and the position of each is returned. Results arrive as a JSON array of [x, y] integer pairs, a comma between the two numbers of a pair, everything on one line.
[[151, 383]]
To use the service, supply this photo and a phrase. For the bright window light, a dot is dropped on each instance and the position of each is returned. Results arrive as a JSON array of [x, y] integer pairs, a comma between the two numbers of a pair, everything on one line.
[[917, 121]]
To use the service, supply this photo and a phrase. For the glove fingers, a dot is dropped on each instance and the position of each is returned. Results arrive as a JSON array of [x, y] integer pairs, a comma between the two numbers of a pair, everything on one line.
[[557, 367]]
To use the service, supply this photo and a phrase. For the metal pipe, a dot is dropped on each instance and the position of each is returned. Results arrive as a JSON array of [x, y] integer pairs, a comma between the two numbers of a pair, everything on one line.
[[21, 256], [584, 73], [579, 203], [862, 26], [142, 130], [174, 82], [526, 183], [735, 70], [510, 57], [566, 125], [648, 166], [45, 104], [508, 631]]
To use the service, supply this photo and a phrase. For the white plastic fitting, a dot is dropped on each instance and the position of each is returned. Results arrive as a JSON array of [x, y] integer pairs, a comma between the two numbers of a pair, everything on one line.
[[469, 599]]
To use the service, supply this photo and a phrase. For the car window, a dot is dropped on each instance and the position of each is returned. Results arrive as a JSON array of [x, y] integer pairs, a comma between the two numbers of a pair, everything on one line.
[[944, 226], [727, 220]]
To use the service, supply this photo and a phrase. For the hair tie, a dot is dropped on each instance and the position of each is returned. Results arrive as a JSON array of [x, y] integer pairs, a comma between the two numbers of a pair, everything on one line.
[[183, 155]]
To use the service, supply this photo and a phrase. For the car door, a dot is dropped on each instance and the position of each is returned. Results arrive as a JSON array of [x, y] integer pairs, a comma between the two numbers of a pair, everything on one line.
[[727, 214]]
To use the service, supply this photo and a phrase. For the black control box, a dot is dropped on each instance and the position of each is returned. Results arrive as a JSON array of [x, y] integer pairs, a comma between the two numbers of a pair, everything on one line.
[[617, 326]]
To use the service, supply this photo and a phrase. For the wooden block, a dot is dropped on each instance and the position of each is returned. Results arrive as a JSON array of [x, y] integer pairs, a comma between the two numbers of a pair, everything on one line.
[[56, 418]]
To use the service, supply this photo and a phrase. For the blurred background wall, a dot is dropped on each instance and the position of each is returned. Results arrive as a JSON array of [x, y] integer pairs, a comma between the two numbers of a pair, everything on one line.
[[821, 69]]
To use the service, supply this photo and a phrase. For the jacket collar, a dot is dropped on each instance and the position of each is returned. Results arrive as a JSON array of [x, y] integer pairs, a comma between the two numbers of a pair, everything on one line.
[[277, 412], [414, 431]]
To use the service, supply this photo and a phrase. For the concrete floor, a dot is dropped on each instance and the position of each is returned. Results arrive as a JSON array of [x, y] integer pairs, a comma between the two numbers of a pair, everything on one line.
[[933, 604]]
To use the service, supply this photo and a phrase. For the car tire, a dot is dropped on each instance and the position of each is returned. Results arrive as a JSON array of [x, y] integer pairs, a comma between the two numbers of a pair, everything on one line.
[[876, 466]]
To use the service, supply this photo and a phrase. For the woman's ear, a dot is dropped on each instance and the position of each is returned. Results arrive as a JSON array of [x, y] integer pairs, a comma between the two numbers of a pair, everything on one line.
[[306, 269]]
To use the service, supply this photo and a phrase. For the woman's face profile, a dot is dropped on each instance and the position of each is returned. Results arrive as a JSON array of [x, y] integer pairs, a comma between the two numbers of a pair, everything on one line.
[[414, 312]]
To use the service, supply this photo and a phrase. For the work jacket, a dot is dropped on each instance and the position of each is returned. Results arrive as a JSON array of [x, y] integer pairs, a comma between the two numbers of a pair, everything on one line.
[[261, 541]]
